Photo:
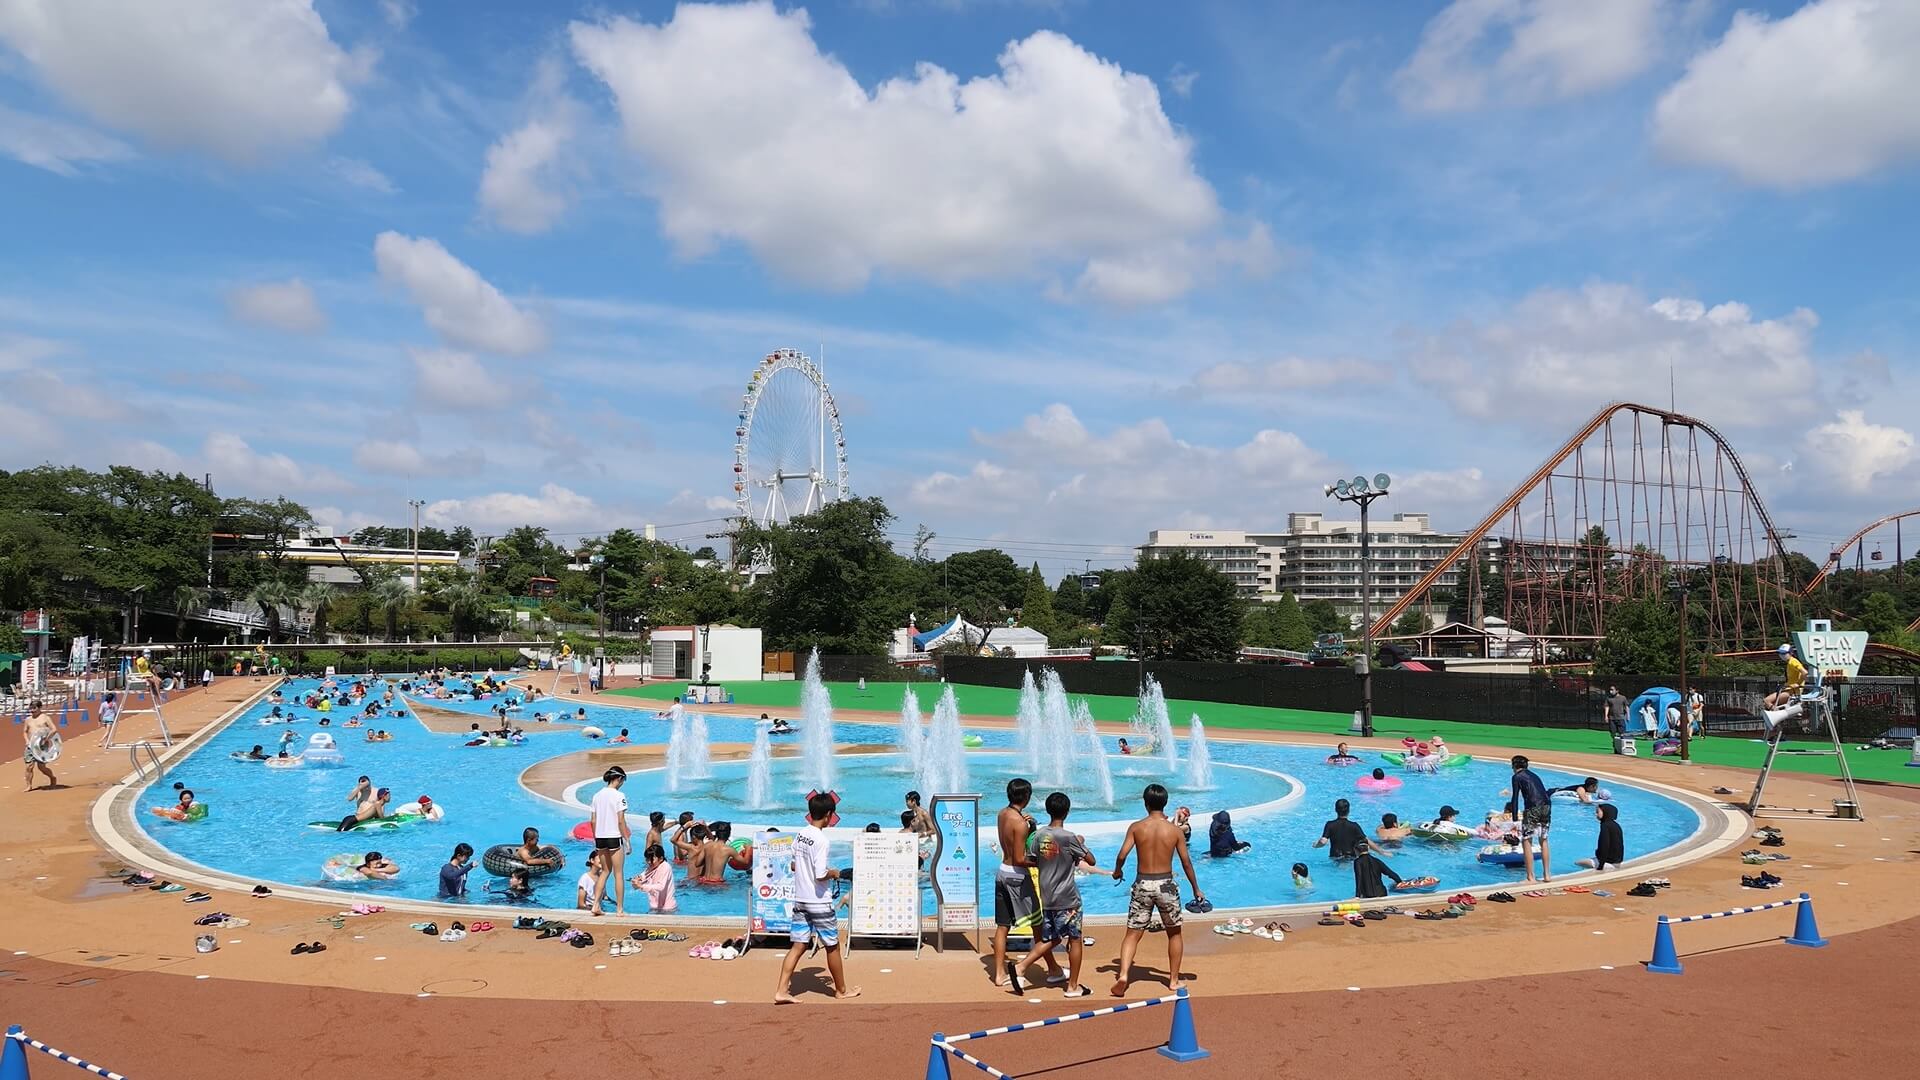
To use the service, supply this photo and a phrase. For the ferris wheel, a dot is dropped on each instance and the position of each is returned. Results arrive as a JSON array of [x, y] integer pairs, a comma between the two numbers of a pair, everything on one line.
[[789, 452]]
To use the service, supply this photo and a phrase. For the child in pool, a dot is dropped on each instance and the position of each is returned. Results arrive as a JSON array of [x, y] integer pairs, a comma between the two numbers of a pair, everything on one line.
[[589, 885], [1390, 830], [518, 889], [453, 876], [656, 881], [377, 867], [1301, 879], [1611, 848]]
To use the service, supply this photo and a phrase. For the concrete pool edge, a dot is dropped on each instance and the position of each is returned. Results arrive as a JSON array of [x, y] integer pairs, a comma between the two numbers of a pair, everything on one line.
[[114, 826]]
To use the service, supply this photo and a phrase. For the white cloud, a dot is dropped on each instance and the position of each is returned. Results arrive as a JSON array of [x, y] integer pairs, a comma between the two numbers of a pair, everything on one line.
[[446, 379], [283, 305], [1052, 476], [519, 190], [360, 174], [1829, 93], [1557, 356], [553, 507], [458, 303], [749, 132], [1181, 79], [398, 12], [55, 146], [244, 470], [242, 79], [1851, 452], [1516, 52], [399, 458], [1262, 382]]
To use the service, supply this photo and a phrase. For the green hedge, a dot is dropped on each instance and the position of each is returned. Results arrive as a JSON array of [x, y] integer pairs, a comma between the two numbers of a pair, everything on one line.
[[479, 658]]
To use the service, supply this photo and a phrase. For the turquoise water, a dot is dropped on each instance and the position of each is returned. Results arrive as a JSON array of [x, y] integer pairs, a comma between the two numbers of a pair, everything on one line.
[[257, 825]]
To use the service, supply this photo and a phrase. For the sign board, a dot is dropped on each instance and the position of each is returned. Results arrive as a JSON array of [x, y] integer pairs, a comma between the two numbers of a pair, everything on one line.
[[1828, 651], [770, 900], [78, 657], [956, 861], [886, 885], [35, 622], [33, 675]]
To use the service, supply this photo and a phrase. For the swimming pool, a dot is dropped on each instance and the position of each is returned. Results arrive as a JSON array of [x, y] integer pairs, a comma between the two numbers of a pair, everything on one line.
[[258, 824]]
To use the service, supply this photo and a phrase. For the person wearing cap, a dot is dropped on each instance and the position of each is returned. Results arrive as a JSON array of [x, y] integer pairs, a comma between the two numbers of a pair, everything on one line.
[[373, 809], [1796, 680], [1445, 826]]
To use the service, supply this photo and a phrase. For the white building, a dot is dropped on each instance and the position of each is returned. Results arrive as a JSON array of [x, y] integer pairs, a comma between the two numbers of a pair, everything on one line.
[[1021, 641], [1319, 559], [734, 652]]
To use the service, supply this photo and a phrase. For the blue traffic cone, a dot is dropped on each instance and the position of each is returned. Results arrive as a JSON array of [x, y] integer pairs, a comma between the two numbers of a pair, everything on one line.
[[1182, 1043], [1805, 930], [1665, 960], [936, 1060], [13, 1059]]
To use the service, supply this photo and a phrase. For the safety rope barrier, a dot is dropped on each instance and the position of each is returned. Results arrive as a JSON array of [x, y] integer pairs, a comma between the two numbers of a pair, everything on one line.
[[18, 1038]]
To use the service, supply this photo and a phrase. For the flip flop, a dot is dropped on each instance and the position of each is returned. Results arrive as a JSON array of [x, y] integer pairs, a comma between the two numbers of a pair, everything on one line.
[[301, 948], [316, 947], [1330, 921], [1602, 892], [1085, 991]]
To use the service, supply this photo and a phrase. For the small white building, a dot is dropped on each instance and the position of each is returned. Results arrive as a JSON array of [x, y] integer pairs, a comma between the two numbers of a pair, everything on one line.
[[733, 651], [1023, 641]]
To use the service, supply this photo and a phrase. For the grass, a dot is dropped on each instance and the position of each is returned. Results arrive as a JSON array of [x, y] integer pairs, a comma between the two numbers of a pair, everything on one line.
[[1886, 766]]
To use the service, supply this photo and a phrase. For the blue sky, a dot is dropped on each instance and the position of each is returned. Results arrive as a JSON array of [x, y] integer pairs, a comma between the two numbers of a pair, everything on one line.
[[1079, 270]]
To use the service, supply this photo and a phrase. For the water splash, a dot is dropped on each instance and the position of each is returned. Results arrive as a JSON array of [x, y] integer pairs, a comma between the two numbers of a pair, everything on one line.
[[696, 760], [816, 727], [913, 738], [1093, 753], [1199, 758], [1053, 750], [943, 767], [676, 746], [1152, 724], [1026, 718], [760, 771]]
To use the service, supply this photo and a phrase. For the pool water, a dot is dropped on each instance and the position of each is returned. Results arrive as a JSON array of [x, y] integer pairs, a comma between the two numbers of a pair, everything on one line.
[[257, 826]]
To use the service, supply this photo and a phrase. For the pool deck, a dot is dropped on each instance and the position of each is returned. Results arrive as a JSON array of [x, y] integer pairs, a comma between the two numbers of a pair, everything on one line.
[[63, 912]]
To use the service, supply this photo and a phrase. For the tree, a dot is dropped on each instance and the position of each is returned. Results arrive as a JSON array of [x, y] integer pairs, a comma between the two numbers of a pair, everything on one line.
[[1410, 622], [834, 580], [466, 606], [1069, 599], [266, 529], [270, 596], [1036, 607], [390, 596], [1643, 638], [705, 552], [188, 600], [1184, 609], [1279, 624], [984, 586], [1324, 618], [317, 601]]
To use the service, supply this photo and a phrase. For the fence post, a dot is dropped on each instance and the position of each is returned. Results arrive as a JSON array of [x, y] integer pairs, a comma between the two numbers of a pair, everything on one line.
[[13, 1059]]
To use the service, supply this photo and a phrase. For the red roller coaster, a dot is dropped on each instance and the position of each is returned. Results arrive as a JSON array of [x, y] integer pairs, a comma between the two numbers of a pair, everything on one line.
[[1638, 498]]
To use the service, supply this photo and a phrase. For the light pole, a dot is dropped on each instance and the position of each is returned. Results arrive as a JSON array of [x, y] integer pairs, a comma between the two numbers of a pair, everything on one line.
[[599, 563], [1677, 585], [416, 504], [1357, 491]]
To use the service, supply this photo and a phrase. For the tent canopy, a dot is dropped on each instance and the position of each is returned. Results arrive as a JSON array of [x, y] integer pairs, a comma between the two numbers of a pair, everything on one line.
[[1660, 697]]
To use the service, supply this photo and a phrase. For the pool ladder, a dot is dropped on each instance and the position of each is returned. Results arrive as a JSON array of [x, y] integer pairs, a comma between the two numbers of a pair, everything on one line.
[[153, 759]]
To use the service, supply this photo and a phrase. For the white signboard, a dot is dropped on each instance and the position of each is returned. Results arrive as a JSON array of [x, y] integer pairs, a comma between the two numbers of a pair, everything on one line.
[[33, 675], [1831, 652], [886, 885]]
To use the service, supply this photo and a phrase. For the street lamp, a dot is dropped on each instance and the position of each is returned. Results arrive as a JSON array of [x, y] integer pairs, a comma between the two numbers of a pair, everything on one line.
[[1677, 587], [599, 562], [1358, 492]]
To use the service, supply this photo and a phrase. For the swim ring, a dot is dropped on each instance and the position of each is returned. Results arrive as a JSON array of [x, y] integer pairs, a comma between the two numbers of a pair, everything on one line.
[[198, 812], [242, 755], [342, 868], [1503, 856], [322, 751], [1600, 795], [46, 749], [740, 855], [1448, 762], [592, 732], [500, 861], [1442, 830], [431, 811], [972, 740], [282, 763], [583, 831], [1368, 783], [1418, 884], [363, 826]]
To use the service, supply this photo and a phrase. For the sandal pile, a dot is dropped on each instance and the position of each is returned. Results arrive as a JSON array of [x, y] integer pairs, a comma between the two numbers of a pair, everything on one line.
[[730, 949], [624, 947]]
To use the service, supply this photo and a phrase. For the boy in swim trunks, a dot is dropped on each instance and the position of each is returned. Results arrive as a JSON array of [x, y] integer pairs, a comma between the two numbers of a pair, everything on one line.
[[42, 745], [1016, 905], [813, 916], [1156, 841], [1534, 808], [713, 855], [1060, 853]]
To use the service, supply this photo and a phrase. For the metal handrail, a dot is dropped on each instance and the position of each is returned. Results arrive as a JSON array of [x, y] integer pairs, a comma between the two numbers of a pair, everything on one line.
[[133, 755]]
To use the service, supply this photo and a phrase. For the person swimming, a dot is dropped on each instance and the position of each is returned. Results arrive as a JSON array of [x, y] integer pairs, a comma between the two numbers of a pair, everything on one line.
[[1342, 756], [377, 867], [1301, 879], [1221, 842]]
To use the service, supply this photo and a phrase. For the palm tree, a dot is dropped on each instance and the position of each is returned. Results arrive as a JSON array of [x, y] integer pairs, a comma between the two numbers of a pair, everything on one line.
[[270, 596], [187, 600], [391, 596], [466, 604], [316, 600]]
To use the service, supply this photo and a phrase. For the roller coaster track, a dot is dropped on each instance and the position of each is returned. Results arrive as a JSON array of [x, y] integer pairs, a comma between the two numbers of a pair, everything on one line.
[[1666, 501], [1839, 551]]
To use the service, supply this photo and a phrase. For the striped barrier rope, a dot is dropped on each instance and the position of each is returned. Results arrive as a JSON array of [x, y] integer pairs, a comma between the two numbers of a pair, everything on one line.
[[1181, 1044], [16, 1035], [1801, 899], [1088, 1015]]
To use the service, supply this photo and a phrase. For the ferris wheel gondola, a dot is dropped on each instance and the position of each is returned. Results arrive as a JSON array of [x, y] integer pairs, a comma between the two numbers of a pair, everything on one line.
[[789, 451]]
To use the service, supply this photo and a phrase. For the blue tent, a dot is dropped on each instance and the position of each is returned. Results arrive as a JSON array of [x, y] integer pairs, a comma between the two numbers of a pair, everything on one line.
[[1660, 698]]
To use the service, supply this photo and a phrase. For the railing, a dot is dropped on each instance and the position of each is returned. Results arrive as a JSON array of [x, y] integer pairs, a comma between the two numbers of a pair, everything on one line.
[[13, 1059], [1805, 931], [1181, 1045], [140, 769]]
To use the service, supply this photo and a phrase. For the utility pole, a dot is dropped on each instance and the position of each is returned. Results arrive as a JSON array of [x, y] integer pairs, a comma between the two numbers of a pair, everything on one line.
[[416, 504], [1357, 491]]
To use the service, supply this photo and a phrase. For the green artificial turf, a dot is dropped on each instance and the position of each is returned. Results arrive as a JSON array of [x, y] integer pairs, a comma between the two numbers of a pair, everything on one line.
[[1740, 753]]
